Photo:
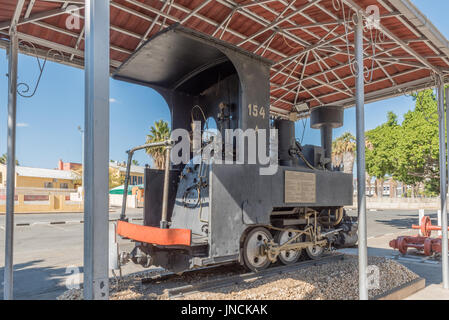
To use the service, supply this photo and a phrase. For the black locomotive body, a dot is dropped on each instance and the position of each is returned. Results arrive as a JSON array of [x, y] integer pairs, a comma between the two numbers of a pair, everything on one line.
[[248, 211]]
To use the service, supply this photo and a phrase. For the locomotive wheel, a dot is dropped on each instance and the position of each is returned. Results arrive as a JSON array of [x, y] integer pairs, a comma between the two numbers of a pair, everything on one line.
[[314, 252], [254, 257], [287, 256]]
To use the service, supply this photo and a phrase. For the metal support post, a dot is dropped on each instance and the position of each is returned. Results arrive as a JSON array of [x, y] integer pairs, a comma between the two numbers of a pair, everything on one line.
[[11, 162], [360, 129], [443, 182], [96, 151], [164, 222]]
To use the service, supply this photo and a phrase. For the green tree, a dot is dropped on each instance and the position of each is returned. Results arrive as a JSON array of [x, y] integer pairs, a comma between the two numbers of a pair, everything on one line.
[[418, 145], [382, 154], [158, 132], [135, 162]]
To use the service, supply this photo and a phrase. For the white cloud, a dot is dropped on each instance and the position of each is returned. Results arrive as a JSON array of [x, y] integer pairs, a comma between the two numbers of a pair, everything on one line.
[[112, 100], [22, 125]]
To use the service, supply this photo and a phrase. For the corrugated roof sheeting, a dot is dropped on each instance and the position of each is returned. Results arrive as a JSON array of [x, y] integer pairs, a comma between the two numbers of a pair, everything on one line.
[[309, 41]]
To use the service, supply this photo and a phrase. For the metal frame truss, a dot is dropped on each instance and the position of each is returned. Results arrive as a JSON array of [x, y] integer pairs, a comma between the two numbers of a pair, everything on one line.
[[315, 62]]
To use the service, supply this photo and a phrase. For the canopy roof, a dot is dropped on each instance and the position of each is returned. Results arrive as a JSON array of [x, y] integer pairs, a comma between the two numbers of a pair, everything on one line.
[[310, 42]]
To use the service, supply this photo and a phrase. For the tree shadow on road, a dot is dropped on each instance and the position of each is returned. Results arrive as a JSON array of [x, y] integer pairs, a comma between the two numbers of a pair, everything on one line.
[[406, 221]]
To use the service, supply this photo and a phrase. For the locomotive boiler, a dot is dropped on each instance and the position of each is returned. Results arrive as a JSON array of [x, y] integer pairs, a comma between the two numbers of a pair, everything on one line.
[[206, 212]]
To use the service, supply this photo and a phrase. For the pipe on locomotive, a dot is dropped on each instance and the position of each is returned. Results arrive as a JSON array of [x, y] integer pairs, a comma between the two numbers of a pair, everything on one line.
[[326, 118], [168, 144]]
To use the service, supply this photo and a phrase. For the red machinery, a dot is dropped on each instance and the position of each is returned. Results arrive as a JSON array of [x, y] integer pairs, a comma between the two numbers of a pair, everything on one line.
[[428, 245], [426, 227], [422, 243]]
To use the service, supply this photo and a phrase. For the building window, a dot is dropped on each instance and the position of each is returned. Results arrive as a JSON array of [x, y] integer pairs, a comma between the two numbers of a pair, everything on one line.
[[48, 185], [133, 180], [64, 185], [140, 180]]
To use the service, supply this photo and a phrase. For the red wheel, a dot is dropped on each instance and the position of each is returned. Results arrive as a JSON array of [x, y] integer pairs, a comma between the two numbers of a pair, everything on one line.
[[426, 223], [428, 247], [402, 245]]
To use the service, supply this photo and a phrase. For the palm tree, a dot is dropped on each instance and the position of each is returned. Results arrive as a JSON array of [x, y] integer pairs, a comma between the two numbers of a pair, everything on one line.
[[135, 162], [343, 151], [159, 132], [3, 159], [337, 158]]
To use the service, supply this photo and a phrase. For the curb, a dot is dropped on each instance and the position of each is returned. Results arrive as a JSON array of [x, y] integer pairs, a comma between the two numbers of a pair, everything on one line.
[[403, 291]]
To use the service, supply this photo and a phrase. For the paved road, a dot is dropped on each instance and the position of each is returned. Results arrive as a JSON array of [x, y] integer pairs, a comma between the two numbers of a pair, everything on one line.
[[45, 254], [43, 251], [384, 222]]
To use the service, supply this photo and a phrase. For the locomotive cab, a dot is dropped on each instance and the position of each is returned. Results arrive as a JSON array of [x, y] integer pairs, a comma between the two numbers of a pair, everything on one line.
[[243, 195]]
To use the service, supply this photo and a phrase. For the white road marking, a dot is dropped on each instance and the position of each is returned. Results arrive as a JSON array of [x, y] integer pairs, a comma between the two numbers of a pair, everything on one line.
[[72, 221], [39, 223], [56, 226]]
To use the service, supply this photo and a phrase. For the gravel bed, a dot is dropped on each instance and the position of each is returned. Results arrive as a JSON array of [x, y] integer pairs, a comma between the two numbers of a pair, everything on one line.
[[130, 287], [333, 281]]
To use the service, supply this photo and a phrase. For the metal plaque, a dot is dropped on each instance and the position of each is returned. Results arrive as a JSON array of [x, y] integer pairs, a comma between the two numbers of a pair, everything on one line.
[[300, 187]]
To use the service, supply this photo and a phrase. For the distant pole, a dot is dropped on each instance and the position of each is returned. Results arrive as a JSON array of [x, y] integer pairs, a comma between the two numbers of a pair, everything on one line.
[[11, 162], [82, 157], [360, 128], [443, 183]]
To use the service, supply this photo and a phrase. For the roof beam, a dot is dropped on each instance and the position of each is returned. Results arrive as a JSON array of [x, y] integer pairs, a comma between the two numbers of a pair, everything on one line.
[[394, 59], [420, 84], [313, 47], [281, 19], [313, 76], [195, 11], [377, 45], [403, 85], [264, 22], [17, 12], [76, 35], [335, 82], [36, 17], [57, 46], [398, 40], [185, 10], [29, 9], [144, 37]]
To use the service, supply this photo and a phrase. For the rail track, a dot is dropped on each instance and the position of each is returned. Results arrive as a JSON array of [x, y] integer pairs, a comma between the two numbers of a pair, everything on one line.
[[229, 280]]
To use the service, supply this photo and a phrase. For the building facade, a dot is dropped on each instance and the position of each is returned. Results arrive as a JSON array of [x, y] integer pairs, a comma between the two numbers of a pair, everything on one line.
[[28, 177]]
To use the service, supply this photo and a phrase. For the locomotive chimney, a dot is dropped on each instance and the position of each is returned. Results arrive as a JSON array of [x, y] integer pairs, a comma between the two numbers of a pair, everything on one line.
[[286, 141], [326, 119]]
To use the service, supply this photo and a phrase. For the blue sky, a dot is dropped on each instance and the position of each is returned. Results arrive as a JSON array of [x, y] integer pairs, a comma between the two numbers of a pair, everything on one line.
[[47, 122]]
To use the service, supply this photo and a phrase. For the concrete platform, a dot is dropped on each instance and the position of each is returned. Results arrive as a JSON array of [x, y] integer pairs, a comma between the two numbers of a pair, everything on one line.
[[428, 269], [431, 292]]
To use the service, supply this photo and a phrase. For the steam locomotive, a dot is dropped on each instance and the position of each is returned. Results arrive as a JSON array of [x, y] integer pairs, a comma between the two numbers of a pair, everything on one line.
[[208, 211]]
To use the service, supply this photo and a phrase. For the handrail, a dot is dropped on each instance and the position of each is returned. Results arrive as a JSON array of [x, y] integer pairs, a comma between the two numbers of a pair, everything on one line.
[[168, 144]]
